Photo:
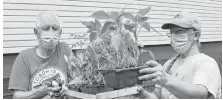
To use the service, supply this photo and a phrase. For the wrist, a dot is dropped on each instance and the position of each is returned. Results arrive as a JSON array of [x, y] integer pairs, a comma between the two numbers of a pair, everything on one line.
[[39, 93], [168, 81]]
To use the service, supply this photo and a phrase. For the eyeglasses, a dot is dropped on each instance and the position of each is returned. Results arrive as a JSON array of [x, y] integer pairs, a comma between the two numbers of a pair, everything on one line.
[[48, 39], [177, 32], [47, 27], [179, 35]]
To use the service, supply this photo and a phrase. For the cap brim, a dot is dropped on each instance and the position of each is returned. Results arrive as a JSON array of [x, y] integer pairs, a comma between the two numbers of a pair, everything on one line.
[[171, 24], [167, 25]]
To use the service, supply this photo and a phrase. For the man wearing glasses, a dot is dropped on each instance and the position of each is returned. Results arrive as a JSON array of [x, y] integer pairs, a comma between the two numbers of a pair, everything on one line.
[[42, 71], [190, 74]]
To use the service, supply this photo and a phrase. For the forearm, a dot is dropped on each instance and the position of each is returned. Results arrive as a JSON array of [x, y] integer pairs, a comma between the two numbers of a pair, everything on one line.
[[183, 90], [153, 95], [34, 94]]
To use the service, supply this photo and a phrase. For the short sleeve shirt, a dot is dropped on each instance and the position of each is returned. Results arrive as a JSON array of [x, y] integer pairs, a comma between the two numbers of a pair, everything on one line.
[[29, 70], [198, 69]]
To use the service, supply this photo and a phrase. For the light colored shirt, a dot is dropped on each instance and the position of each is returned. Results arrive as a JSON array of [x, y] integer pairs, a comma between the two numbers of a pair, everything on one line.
[[198, 69]]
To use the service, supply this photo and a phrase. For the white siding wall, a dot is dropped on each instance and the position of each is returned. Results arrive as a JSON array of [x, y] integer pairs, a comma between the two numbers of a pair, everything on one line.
[[19, 18]]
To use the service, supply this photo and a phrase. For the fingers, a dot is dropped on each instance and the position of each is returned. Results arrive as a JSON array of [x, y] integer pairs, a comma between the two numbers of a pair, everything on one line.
[[42, 88], [54, 89], [150, 88], [151, 63], [151, 72], [142, 93], [154, 81], [64, 88], [62, 91], [147, 70], [62, 95], [151, 67], [149, 76], [139, 88]]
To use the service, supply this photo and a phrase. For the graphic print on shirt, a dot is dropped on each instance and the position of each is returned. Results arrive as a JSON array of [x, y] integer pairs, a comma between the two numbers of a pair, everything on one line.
[[46, 75]]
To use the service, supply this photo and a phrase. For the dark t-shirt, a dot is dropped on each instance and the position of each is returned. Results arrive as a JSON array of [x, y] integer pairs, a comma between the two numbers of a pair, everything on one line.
[[29, 70]]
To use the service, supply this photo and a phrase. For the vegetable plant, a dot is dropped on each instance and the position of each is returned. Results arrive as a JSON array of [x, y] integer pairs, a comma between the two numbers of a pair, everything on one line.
[[113, 44]]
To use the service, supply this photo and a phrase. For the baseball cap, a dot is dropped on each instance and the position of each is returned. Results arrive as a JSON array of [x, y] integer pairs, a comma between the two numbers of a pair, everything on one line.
[[184, 20]]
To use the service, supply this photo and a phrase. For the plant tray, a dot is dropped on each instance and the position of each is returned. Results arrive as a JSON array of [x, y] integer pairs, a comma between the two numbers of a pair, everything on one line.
[[120, 78]]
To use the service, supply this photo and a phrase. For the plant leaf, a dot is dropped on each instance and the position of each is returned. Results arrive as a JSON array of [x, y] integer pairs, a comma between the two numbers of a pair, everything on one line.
[[151, 54], [120, 15], [100, 15], [80, 57], [127, 37], [144, 11], [93, 56], [113, 15], [73, 45], [130, 26], [93, 36], [71, 35], [112, 28], [90, 25], [128, 15], [106, 26], [135, 46], [97, 24], [145, 25], [142, 19], [155, 30], [122, 11], [116, 41], [136, 18]]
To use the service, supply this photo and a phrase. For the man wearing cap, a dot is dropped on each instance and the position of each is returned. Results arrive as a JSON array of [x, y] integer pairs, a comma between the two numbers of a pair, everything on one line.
[[41, 71], [190, 74]]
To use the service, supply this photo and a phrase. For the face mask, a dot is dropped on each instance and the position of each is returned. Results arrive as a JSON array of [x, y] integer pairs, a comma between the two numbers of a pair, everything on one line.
[[180, 42], [49, 42]]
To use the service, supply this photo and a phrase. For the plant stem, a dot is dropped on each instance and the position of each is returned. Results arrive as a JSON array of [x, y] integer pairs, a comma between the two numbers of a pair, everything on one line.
[[120, 25], [139, 30], [137, 24]]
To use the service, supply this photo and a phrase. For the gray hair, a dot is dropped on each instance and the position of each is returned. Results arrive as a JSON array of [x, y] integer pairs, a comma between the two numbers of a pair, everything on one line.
[[47, 15]]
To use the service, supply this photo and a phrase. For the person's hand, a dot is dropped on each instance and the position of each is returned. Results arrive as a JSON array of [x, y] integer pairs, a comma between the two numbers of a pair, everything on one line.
[[143, 94], [153, 73], [58, 91], [41, 91], [63, 91]]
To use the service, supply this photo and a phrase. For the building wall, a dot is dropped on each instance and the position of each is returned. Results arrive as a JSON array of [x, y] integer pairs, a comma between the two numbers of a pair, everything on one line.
[[19, 18]]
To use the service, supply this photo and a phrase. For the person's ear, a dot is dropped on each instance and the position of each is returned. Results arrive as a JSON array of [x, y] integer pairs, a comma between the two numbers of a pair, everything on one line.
[[37, 34], [196, 36], [60, 32], [35, 31]]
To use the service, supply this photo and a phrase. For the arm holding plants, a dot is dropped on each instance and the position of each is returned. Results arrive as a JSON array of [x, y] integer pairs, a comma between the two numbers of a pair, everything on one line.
[[157, 75]]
